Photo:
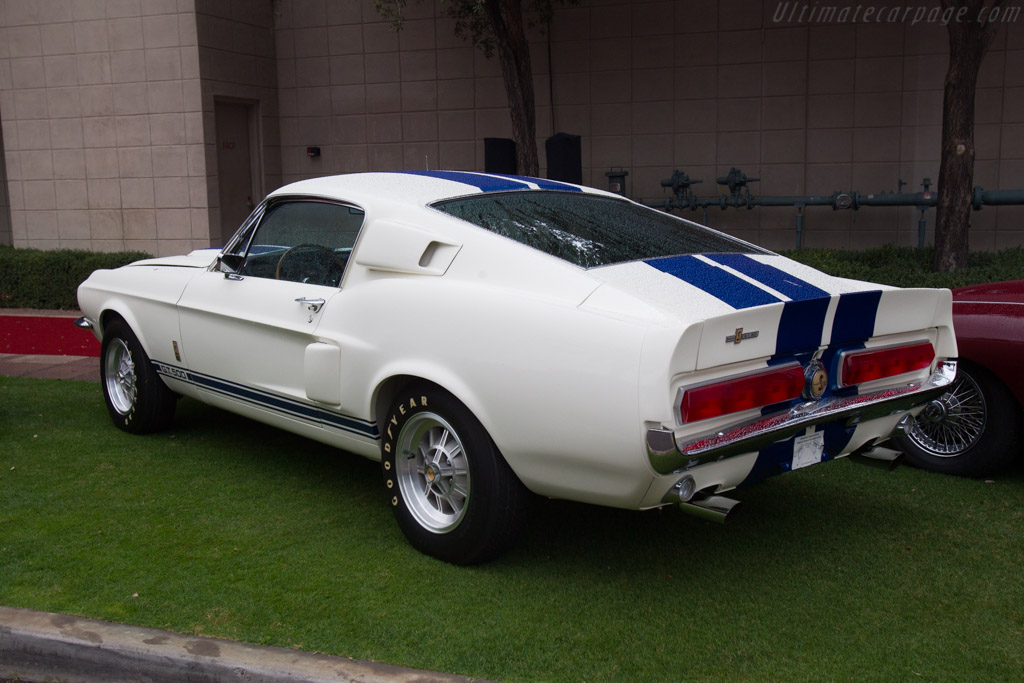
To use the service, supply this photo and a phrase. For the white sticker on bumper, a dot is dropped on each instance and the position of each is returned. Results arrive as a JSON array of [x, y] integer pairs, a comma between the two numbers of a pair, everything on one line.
[[807, 449]]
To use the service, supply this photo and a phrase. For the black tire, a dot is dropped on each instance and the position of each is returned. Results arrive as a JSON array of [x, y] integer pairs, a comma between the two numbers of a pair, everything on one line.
[[454, 496], [972, 430], [137, 399]]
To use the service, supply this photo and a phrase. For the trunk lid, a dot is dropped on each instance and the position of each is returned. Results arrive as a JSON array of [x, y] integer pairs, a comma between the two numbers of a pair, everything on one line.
[[765, 305]]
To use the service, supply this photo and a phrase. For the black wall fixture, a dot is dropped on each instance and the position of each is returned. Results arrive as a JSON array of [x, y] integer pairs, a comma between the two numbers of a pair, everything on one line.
[[565, 158], [499, 155]]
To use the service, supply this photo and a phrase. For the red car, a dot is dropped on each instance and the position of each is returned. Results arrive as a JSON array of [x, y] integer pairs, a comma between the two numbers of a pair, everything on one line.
[[975, 428]]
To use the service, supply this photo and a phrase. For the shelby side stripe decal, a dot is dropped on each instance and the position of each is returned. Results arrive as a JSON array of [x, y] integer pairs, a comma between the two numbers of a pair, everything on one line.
[[273, 402]]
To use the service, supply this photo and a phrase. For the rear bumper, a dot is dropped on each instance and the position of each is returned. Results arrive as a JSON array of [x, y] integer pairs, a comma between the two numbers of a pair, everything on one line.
[[668, 455]]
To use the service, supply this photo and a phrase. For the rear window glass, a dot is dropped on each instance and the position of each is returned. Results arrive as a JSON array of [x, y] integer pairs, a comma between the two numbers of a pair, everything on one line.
[[590, 230]]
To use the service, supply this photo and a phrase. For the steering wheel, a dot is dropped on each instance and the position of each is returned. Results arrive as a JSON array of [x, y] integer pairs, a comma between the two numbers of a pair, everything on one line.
[[326, 262]]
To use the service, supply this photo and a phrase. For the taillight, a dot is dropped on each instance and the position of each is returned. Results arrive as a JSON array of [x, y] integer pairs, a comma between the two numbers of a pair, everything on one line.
[[872, 364], [742, 393]]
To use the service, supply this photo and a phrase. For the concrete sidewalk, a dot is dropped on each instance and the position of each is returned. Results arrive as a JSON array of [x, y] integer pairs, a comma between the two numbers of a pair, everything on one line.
[[50, 367], [40, 646]]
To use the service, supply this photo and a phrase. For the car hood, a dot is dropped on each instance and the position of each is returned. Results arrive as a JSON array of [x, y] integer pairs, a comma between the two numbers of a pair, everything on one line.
[[758, 305], [200, 258]]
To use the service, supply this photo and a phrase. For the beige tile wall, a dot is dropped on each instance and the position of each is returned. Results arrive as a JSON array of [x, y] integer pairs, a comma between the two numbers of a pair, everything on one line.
[[699, 85], [94, 97], [107, 108], [237, 62], [6, 238]]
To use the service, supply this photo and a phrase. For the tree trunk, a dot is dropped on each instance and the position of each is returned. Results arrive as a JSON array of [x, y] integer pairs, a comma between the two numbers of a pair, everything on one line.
[[506, 18], [968, 41]]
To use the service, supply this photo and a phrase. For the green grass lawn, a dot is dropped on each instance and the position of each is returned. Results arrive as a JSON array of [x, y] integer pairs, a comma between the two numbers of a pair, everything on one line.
[[225, 527]]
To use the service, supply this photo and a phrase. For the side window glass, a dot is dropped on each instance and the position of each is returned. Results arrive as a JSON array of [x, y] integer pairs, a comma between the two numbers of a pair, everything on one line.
[[304, 241]]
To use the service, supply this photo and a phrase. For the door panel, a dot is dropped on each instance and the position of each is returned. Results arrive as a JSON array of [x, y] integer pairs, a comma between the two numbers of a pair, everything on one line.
[[251, 331], [246, 331]]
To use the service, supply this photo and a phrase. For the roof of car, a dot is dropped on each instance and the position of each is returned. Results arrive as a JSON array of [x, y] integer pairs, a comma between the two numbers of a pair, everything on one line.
[[421, 187]]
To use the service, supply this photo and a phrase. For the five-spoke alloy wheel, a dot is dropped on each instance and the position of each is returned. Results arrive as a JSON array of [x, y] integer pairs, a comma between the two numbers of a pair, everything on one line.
[[137, 400], [452, 492]]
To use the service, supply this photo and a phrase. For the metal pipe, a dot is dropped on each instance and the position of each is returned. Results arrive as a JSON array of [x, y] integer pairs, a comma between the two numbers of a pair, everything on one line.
[[799, 227], [712, 508], [739, 197], [876, 456]]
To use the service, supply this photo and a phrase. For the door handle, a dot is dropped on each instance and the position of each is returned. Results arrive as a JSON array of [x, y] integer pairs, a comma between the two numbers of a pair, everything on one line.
[[312, 305]]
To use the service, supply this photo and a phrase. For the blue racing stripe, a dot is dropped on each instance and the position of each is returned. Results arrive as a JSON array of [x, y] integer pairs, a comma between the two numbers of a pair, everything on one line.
[[855, 317], [718, 283], [487, 183], [542, 183], [781, 281], [801, 325]]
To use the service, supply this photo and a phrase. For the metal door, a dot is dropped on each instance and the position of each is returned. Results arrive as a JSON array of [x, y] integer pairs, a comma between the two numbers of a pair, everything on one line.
[[237, 153]]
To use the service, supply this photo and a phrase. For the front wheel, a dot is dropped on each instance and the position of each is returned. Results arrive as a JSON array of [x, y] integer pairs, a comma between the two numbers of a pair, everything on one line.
[[454, 496], [137, 400], [972, 430]]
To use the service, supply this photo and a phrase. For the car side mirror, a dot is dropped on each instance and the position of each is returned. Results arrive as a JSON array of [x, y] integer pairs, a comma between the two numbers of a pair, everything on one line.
[[230, 263]]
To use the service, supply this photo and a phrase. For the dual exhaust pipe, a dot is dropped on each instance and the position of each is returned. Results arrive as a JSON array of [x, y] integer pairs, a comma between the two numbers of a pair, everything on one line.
[[712, 508], [721, 509]]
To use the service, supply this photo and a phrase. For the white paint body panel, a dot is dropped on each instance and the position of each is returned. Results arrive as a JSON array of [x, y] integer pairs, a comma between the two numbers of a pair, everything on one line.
[[565, 368]]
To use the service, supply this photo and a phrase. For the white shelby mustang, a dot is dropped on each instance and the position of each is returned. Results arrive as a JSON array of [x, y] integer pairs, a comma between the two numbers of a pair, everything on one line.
[[489, 337]]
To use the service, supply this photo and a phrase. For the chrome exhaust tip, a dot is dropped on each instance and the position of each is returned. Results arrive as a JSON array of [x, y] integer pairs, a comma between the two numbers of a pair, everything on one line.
[[682, 491], [877, 456], [712, 508]]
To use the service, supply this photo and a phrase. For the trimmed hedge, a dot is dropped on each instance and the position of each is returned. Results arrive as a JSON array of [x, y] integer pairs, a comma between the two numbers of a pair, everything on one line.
[[30, 278], [912, 267]]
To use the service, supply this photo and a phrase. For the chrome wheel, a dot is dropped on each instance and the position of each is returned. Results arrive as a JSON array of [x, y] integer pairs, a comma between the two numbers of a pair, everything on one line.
[[119, 376], [433, 472], [952, 423]]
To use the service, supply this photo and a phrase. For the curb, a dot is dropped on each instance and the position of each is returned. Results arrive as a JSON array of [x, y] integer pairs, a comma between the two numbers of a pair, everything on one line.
[[42, 646]]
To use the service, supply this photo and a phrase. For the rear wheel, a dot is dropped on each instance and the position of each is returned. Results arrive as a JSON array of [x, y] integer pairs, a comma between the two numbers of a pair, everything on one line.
[[452, 492], [971, 430], [137, 400]]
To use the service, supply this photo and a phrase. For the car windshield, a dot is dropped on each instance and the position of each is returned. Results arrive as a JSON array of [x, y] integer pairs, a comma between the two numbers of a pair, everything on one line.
[[588, 229]]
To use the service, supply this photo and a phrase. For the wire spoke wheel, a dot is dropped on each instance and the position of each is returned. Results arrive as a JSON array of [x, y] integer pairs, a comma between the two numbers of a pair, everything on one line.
[[433, 472], [119, 376], [952, 423]]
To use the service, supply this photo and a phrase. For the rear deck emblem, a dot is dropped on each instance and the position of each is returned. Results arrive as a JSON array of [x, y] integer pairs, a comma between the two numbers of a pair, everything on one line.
[[817, 380], [740, 336]]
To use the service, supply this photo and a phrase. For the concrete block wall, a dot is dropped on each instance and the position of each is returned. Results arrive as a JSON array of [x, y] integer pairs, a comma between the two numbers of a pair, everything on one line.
[[100, 101], [699, 85], [703, 85], [237, 62], [107, 108]]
